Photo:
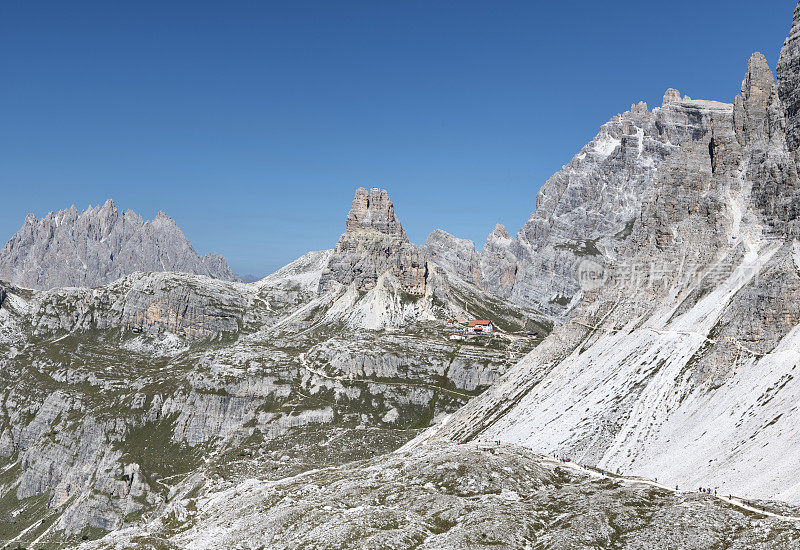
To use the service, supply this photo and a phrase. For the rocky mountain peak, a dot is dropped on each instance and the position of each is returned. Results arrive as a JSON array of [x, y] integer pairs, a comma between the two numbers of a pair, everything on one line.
[[759, 76], [763, 127], [97, 246], [373, 211], [587, 208], [109, 206], [500, 232], [671, 96], [374, 244], [717, 231]]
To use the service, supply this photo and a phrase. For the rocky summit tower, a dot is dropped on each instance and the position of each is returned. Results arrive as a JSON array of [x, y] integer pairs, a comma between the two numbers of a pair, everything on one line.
[[374, 249]]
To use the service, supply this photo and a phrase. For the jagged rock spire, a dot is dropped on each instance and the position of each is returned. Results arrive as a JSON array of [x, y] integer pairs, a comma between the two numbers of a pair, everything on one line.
[[671, 96], [499, 231], [756, 115], [760, 122]]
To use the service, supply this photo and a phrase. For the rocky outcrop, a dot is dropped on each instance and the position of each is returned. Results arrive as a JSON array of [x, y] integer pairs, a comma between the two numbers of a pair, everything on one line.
[[375, 278], [498, 266], [585, 210], [374, 245], [97, 246], [156, 303], [760, 122], [3, 295], [456, 256], [373, 211]]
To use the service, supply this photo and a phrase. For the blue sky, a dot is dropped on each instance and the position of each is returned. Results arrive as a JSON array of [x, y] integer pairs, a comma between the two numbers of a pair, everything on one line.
[[252, 122]]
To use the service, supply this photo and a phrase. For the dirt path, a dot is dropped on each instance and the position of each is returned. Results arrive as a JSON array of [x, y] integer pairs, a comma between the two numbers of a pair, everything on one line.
[[733, 501]]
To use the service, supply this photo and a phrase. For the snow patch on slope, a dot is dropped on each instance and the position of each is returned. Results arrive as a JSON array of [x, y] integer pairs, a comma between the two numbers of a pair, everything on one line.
[[605, 145]]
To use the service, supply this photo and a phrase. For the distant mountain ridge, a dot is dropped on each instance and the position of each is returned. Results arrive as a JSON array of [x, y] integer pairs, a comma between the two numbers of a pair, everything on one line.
[[99, 245]]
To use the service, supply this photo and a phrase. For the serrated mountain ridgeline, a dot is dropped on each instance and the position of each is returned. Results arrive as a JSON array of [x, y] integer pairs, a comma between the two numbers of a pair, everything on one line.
[[99, 245], [584, 211]]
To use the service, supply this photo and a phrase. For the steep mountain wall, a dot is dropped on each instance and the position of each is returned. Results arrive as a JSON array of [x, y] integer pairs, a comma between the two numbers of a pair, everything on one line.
[[789, 82], [681, 363]]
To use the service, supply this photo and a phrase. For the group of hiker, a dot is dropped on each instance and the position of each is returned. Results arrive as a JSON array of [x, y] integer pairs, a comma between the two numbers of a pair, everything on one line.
[[701, 489]]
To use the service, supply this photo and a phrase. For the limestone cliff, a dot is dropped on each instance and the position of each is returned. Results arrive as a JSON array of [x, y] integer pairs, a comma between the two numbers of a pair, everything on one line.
[[789, 83]]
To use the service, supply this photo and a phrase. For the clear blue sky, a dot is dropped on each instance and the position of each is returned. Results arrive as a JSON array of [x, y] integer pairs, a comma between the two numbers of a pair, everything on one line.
[[252, 122]]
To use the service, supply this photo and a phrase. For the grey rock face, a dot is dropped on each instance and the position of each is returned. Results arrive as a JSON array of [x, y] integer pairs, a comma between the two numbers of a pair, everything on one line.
[[498, 266], [373, 211], [374, 244], [457, 256], [97, 246], [376, 279], [584, 211], [789, 82], [761, 126], [2, 295]]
